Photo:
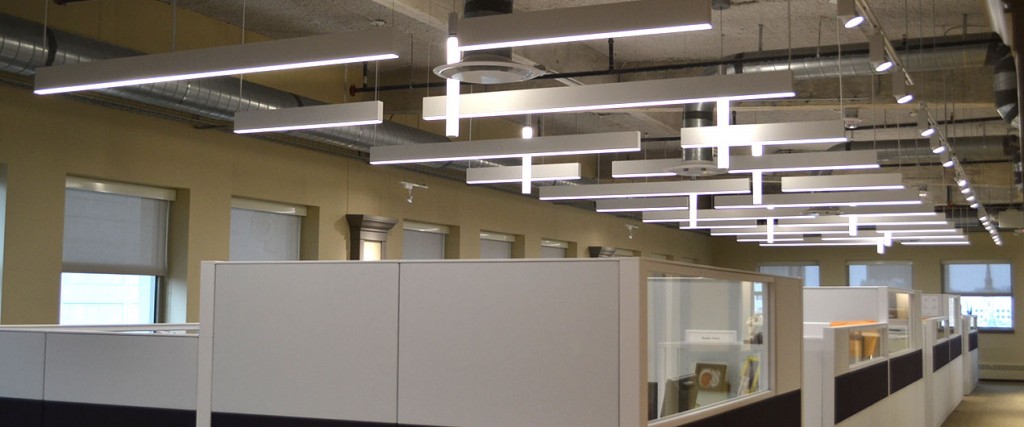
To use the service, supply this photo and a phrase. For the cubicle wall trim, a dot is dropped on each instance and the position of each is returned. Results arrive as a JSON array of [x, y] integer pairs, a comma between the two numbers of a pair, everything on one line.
[[956, 347], [972, 341], [905, 370], [940, 355], [857, 390]]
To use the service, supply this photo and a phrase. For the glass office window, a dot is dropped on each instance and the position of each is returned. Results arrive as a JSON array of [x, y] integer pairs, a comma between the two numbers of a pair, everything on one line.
[[262, 235], [495, 245], [985, 290], [114, 252], [806, 271], [423, 241], [893, 274]]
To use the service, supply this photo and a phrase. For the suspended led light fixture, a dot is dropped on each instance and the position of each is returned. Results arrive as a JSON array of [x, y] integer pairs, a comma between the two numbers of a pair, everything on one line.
[[899, 87], [924, 124], [879, 59], [286, 54], [846, 10], [645, 189], [598, 22], [971, 198], [510, 174], [936, 144], [762, 230], [947, 160], [974, 205], [936, 243], [452, 86], [643, 204], [849, 198], [314, 117], [718, 224], [647, 93], [645, 168], [829, 131], [716, 215], [851, 182], [775, 163], [615, 142], [961, 182]]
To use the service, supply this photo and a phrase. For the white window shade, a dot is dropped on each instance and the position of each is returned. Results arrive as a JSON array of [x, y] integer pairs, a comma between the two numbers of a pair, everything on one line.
[[892, 274], [114, 234], [978, 279], [264, 236], [552, 252], [422, 244], [495, 249]]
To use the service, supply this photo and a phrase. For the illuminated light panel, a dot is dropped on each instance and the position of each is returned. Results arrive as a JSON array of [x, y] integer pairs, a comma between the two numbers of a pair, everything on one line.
[[510, 174], [646, 93], [852, 182], [712, 215], [598, 22], [594, 143], [848, 198], [286, 54], [867, 234], [830, 131], [762, 230], [643, 204], [645, 189], [452, 88], [777, 239], [775, 163], [644, 168], [818, 243], [718, 225], [842, 222], [314, 117], [937, 243]]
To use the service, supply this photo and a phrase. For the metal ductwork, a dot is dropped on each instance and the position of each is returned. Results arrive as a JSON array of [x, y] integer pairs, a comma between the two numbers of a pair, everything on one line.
[[940, 53], [910, 152], [698, 161], [1005, 86], [492, 66], [21, 52]]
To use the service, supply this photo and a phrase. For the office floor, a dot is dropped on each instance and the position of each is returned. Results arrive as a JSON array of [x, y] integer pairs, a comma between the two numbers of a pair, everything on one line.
[[993, 404]]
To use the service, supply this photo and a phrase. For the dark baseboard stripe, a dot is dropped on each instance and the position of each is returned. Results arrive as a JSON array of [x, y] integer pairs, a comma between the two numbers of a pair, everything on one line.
[[780, 411], [856, 391], [940, 355], [225, 419], [67, 414], [21, 412], [905, 370], [972, 341], [956, 347]]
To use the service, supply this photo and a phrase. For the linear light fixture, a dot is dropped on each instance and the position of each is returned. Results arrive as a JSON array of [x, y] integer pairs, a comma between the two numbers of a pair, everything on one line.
[[829, 131], [510, 174], [816, 243], [615, 142], [452, 55], [644, 168], [314, 117], [775, 163], [645, 189], [762, 230], [852, 182], [616, 20], [643, 204], [937, 243], [647, 93], [924, 209], [709, 215], [849, 198], [839, 222], [765, 240], [867, 234], [286, 54], [719, 225]]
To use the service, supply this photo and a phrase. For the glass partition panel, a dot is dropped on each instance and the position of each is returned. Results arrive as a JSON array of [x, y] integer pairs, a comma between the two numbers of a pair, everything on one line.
[[865, 344], [899, 322], [943, 331], [707, 342]]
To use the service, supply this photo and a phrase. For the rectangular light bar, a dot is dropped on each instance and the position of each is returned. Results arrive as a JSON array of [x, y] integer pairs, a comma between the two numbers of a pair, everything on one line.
[[644, 168], [718, 225], [842, 222], [708, 215], [643, 204], [286, 54], [615, 142], [646, 93], [849, 198], [762, 230], [923, 210], [831, 131], [937, 243], [314, 117], [508, 174], [765, 239], [598, 22], [826, 160], [911, 229], [874, 235], [851, 182], [814, 244], [645, 189]]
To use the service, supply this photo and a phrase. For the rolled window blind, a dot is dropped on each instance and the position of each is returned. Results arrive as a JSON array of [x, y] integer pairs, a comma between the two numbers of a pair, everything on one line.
[[422, 245], [264, 236], [114, 234]]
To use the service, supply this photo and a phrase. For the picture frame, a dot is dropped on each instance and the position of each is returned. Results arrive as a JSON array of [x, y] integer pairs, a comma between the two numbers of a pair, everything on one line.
[[750, 375], [712, 377]]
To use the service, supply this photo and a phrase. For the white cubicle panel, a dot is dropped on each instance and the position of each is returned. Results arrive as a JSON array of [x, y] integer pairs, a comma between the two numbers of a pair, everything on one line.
[[310, 340], [530, 343], [970, 354], [21, 364], [943, 371], [149, 371], [832, 303]]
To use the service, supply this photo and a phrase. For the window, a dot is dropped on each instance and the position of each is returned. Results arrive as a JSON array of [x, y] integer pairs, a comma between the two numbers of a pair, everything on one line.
[[553, 248], [985, 289], [423, 241], [495, 245], [115, 251], [807, 271], [892, 274], [265, 231]]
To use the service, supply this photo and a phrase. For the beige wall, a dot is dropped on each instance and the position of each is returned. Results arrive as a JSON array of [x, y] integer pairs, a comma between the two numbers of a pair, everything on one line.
[[927, 271], [44, 139]]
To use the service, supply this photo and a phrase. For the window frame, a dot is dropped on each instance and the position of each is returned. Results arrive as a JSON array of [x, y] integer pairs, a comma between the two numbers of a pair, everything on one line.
[[946, 290]]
